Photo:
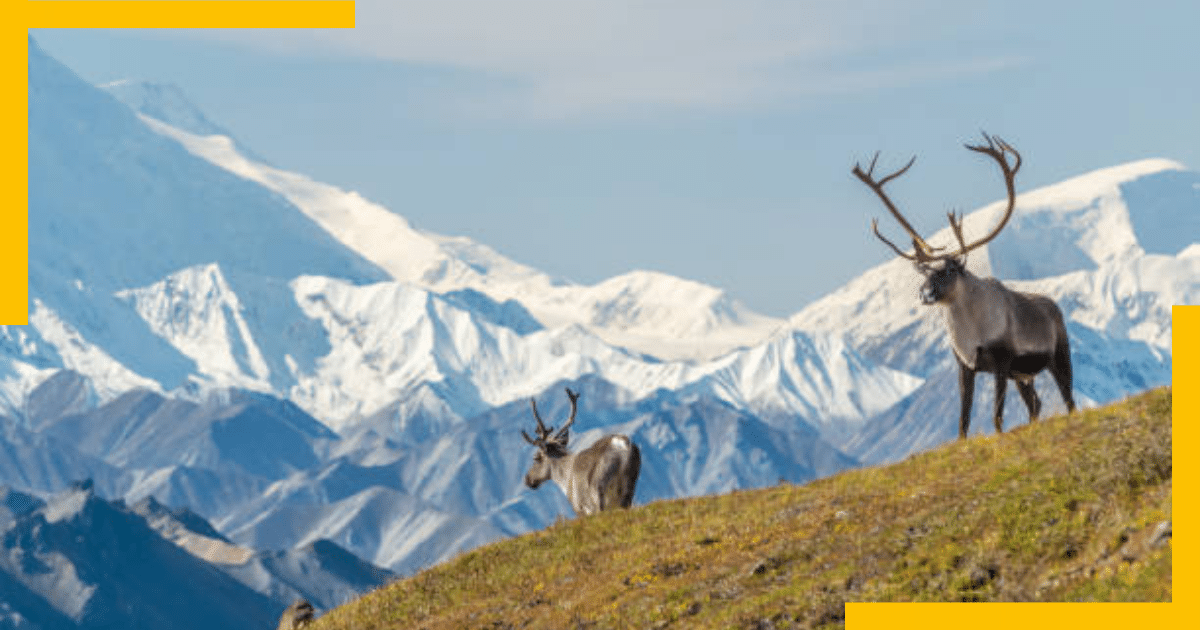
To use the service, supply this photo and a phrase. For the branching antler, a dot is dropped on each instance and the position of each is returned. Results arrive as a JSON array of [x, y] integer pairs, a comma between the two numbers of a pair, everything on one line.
[[545, 432], [922, 252], [956, 226], [574, 396], [998, 149]]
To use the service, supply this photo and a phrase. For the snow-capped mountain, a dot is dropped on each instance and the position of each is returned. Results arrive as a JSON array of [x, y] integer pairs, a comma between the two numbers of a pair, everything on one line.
[[114, 206], [345, 352], [645, 311], [165, 102], [297, 364], [391, 339]]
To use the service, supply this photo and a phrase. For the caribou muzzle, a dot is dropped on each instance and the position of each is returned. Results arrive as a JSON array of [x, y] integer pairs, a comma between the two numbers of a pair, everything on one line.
[[928, 295], [939, 281]]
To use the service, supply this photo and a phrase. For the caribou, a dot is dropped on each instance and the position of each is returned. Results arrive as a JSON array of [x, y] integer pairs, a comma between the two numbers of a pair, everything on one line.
[[991, 328], [299, 615], [597, 478]]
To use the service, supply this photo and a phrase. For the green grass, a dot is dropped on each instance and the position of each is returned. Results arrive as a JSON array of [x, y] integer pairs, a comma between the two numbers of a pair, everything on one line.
[[1072, 508]]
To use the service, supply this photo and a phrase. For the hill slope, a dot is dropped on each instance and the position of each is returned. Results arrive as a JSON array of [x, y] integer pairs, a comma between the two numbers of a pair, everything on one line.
[[1073, 508]]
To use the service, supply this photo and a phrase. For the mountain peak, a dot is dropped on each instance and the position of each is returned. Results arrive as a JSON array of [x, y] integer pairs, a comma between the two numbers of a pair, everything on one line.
[[73, 502], [1095, 219], [164, 208], [628, 296], [1098, 182], [647, 311], [163, 101]]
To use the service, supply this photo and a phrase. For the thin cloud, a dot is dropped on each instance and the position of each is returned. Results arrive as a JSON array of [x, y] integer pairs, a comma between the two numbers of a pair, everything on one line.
[[563, 58]]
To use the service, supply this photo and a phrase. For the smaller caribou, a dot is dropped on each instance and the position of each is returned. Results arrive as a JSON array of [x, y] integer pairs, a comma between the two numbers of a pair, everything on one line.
[[992, 328], [597, 478], [299, 615]]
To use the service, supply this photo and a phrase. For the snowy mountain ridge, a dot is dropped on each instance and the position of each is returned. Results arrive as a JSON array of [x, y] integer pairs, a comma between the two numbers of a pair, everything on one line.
[[388, 340], [646, 311], [166, 102]]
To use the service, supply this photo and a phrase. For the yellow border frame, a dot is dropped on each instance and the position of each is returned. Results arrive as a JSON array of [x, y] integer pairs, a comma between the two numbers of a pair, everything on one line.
[[340, 14]]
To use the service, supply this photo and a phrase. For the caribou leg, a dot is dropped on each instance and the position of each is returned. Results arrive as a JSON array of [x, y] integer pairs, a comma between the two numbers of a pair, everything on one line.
[[966, 389], [1029, 395], [1060, 367], [1001, 389]]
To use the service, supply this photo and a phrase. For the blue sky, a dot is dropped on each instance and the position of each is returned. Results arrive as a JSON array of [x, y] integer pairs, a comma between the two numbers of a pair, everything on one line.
[[710, 139]]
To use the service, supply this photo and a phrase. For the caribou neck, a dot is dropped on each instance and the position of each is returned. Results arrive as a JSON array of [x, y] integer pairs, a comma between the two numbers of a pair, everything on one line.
[[977, 316], [562, 473]]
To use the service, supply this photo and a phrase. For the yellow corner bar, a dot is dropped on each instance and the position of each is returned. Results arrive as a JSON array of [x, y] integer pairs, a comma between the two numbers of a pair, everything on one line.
[[190, 14], [23, 15]]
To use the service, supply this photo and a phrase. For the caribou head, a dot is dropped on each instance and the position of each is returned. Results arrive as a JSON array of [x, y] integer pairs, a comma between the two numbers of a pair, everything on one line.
[[597, 478], [991, 328]]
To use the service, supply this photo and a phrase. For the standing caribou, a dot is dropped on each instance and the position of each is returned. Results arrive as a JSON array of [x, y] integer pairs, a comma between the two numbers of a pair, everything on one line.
[[992, 329], [597, 478]]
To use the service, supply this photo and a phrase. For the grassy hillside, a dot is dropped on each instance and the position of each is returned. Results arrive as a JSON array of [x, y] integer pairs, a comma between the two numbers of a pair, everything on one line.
[[1074, 508]]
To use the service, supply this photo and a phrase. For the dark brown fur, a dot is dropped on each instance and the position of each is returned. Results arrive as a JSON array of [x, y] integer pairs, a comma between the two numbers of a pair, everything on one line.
[[1037, 329]]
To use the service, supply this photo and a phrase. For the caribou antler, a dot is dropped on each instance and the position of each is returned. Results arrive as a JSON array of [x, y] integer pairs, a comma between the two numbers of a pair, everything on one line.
[[543, 431], [922, 252], [574, 396], [998, 149]]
